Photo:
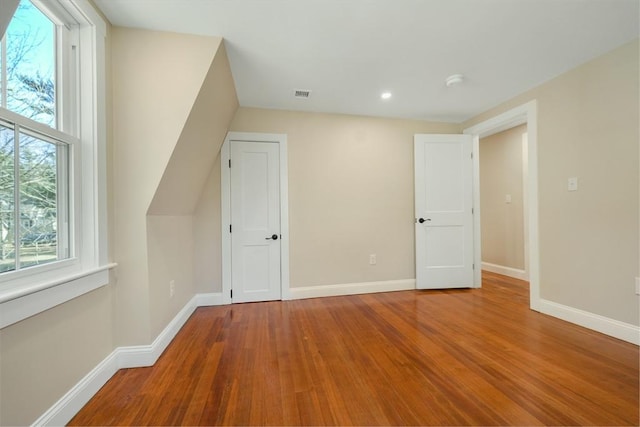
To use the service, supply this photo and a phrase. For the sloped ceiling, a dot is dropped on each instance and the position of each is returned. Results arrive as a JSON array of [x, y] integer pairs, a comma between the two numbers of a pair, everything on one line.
[[199, 143], [349, 51]]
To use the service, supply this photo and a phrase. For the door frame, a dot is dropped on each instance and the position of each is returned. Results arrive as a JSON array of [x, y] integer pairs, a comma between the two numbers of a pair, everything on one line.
[[225, 191], [526, 113]]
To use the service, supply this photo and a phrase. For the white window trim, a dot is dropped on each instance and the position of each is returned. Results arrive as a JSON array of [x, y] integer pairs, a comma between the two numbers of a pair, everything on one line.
[[26, 126], [64, 280], [49, 295]]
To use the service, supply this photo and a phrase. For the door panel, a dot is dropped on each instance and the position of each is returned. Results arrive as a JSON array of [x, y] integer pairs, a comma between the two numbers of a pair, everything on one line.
[[255, 218], [442, 165], [443, 203], [443, 246]]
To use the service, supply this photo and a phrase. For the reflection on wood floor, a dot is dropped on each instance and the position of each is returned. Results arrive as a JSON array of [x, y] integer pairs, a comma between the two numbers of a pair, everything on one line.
[[463, 357]]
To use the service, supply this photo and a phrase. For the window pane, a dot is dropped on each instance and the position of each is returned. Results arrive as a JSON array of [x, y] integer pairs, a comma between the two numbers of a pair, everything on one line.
[[38, 201], [7, 198], [3, 102], [30, 65]]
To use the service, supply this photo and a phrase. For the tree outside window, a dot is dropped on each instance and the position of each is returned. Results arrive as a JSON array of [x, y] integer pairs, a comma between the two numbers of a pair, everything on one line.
[[32, 164]]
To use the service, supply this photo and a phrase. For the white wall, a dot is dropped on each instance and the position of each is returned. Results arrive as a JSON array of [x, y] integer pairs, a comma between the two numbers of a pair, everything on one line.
[[173, 98], [43, 356], [588, 127], [350, 193], [207, 238]]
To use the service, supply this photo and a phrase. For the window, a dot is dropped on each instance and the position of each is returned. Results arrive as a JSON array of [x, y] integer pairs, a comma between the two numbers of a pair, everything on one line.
[[52, 155], [34, 207], [28, 57]]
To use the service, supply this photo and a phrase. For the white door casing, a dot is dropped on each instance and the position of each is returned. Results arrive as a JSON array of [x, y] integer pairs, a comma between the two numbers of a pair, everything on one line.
[[526, 113], [443, 211]]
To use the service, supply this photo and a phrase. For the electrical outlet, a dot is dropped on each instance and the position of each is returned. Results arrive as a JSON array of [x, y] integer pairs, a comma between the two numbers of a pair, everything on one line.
[[172, 288], [637, 285], [372, 259]]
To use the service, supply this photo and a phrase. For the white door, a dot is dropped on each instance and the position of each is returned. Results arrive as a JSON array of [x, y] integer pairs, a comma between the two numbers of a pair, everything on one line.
[[443, 203], [255, 221]]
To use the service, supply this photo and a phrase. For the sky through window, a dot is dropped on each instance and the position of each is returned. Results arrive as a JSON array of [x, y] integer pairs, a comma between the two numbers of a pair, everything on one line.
[[28, 64]]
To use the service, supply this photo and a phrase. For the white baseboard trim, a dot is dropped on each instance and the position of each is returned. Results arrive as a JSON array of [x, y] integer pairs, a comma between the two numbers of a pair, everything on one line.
[[122, 357], [351, 289], [206, 300], [68, 406], [505, 271], [146, 355], [614, 328]]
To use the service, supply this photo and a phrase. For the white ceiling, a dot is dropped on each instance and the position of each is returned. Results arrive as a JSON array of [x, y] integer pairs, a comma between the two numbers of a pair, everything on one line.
[[349, 51]]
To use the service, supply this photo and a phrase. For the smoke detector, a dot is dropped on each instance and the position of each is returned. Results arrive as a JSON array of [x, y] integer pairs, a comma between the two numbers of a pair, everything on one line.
[[454, 80]]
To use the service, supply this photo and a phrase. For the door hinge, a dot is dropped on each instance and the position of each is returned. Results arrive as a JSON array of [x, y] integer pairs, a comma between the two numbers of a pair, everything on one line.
[[471, 211], [229, 163], [473, 266], [231, 293], [472, 154], [230, 228]]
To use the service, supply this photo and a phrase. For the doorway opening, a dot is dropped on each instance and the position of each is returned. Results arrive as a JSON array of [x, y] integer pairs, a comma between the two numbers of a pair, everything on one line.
[[503, 202], [525, 114]]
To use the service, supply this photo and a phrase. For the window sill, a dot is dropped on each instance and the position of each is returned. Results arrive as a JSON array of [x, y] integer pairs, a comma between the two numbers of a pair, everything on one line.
[[28, 301]]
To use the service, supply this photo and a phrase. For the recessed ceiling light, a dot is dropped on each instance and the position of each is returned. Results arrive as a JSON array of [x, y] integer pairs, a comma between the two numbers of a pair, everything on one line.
[[385, 95], [454, 79]]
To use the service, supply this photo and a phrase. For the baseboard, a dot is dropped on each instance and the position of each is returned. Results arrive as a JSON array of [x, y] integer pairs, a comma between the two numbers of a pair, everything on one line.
[[351, 289], [146, 355], [122, 357], [621, 330], [206, 300], [69, 405], [505, 271]]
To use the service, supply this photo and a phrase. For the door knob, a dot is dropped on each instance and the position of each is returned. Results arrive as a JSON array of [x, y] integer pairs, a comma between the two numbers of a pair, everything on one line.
[[422, 220], [274, 237]]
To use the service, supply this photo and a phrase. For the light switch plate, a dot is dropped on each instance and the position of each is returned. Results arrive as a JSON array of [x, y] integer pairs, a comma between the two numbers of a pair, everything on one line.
[[572, 184]]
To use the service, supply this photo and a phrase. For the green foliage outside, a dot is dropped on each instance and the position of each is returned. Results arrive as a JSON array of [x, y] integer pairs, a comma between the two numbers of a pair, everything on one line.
[[30, 92]]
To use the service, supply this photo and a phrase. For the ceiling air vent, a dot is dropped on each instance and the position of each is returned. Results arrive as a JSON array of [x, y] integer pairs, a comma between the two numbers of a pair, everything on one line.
[[300, 93]]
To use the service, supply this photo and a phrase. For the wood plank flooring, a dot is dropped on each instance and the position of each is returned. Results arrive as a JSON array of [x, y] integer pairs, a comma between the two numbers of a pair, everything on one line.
[[456, 357]]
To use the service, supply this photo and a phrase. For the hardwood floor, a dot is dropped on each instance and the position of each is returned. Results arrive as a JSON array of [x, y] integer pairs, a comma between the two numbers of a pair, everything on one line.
[[457, 357]]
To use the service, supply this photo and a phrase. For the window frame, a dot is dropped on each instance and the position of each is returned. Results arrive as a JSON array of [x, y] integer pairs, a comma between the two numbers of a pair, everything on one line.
[[39, 288], [26, 126]]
